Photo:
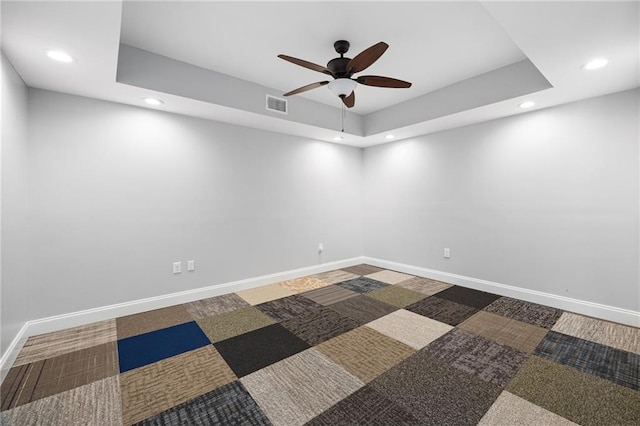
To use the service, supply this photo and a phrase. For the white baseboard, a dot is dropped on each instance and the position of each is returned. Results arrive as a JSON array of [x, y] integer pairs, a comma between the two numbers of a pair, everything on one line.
[[597, 310], [88, 316]]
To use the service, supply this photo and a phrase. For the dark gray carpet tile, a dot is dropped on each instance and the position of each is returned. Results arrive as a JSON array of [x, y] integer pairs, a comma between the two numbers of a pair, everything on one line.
[[467, 296], [365, 407], [287, 307], [362, 269], [618, 366], [363, 309], [442, 310], [363, 285], [228, 405], [319, 324], [257, 349], [435, 392], [531, 313], [478, 356]]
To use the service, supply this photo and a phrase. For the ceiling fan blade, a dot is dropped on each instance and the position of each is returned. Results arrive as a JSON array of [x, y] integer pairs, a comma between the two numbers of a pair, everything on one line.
[[306, 64], [367, 57], [350, 101], [378, 81], [307, 87]]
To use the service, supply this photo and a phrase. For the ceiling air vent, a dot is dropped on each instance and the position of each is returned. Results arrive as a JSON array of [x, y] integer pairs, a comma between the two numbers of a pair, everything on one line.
[[276, 104]]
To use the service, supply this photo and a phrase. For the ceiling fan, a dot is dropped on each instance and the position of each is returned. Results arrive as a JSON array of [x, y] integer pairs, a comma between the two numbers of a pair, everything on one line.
[[342, 70]]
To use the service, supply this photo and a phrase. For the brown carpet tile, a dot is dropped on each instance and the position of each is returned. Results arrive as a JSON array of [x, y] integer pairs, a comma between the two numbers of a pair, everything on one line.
[[337, 348], [365, 353], [234, 323], [335, 277], [329, 295], [519, 335], [531, 313], [95, 404], [424, 285], [133, 325], [362, 269], [154, 388], [215, 305], [362, 308], [396, 296], [40, 379], [49, 345], [579, 397]]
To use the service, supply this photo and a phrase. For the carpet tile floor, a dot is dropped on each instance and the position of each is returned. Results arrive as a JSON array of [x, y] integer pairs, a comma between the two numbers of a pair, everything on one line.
[[360, 345]]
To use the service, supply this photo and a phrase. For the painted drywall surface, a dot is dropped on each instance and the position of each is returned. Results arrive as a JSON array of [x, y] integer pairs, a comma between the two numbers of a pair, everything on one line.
[[118, 193], [546, 200], [14, 183]]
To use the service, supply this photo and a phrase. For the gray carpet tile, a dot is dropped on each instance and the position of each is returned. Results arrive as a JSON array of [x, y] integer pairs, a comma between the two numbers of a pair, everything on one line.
[[363, 285], [612, 364], [476, 355], [287, 307], [435, 392], [363, 309], [362, 269], [319, 324], [329, 295], [228, 405], [531, 313], [442, 310], [365, 407], [215, 305]]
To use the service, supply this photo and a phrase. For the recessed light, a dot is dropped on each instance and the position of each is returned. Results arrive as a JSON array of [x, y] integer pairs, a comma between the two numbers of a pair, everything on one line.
[[60, 56], [527, 104], [389, 137], [153, 101], [337, 138], [596, 63]]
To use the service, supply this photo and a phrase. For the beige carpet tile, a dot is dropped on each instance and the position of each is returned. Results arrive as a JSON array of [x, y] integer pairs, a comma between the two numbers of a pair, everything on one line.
[[389, 277], [48, 345], [29, 382], [362, 269], [396, 296], [154, 388], [296, 389], [234, 323], [266, 293], [579, 397], [519, 335], [604, 332], [365, 353], [424, 285], [410, 328], [512, 410], [335, 277], [300, 285], [215, 305], [133, 325], [329, 295], [531, 313], [94, 404]]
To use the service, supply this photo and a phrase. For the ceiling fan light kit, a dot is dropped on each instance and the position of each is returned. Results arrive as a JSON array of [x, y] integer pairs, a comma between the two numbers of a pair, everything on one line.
[[342, 70]]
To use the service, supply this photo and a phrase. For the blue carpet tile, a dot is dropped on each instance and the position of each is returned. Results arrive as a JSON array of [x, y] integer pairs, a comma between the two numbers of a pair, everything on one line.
[[363, 285], [137, 351]]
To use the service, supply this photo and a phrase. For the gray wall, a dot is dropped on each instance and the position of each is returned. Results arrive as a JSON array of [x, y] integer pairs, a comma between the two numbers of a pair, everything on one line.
[[546, 200], [13, 201], [117, 193]]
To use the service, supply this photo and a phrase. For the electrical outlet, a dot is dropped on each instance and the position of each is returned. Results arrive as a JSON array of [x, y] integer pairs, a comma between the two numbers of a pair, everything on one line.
[[177, 267], [447, 253], [320, 248], [191, 265]]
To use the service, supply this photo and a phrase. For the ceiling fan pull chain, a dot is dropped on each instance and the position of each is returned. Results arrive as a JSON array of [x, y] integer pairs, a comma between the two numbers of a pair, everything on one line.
[[343, 114]]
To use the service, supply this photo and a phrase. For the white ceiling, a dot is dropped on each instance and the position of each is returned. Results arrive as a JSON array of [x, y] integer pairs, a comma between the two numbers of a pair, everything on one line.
[[432, 44]]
